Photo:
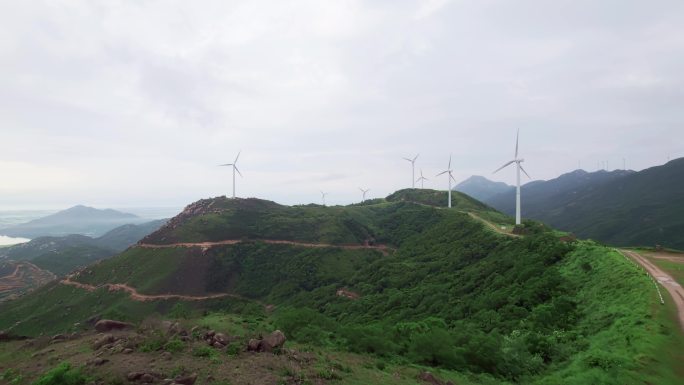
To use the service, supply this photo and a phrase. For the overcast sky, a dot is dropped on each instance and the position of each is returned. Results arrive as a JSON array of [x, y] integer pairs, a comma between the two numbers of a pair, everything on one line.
[[134, 103]]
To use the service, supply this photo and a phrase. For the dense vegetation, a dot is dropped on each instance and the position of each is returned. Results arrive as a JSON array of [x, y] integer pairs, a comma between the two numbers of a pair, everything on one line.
[[453, 294], [622, 208]]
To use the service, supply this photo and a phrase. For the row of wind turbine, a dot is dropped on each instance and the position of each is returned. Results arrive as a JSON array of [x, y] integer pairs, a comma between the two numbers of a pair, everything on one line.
[[449, 171]]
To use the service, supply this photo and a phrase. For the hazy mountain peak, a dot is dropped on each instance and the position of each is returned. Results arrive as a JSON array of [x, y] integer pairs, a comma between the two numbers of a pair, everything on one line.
[[481, 188]]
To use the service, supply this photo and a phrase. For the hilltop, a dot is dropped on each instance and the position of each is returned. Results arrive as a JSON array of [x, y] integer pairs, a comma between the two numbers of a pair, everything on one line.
[[619, 207], [400, 282], [482, 188], [75, 220]]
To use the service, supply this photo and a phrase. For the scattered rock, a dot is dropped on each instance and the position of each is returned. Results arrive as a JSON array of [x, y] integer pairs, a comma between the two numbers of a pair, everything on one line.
[[270, 343], [218, 345], [107, 325], [221, 338], [253, 345], [166, 356], [127, 351], [59, 337], [273, 341], [147, 378], [97, 362], [132, 376], [102, 341], [186, 380]]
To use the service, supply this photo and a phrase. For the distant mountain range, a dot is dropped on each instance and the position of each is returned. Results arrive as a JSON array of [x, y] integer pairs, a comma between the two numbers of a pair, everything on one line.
[[619, 207], [482, 188], [75, 220], [61, 255]]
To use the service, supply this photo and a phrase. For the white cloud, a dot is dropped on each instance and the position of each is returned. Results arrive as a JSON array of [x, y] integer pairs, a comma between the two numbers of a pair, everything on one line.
[[134, 103]]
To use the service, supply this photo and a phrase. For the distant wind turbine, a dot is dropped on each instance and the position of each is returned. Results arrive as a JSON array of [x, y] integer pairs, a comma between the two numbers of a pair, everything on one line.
[[363, 199], [234, 165], [451, 177], [323, 194], [518, 169], [413, 170], [421, 179]]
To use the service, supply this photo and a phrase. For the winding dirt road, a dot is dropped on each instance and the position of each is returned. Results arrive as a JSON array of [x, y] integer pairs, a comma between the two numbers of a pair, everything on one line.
[[135, 296], [384, 249], [675, 289]]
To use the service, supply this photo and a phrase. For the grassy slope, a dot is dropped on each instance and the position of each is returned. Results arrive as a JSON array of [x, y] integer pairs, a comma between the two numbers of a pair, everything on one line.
[[635, 340], [471, 273]]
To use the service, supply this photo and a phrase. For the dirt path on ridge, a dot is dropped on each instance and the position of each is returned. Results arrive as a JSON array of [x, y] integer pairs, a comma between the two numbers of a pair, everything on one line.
[[491, 225], [384, 249], [675, 289], [135, 296]]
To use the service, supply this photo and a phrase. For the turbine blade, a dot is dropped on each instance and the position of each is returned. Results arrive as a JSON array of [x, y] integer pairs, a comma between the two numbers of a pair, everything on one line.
[[238, 155], [449, 162], [504, 166], [238, 171], [523, 170], [517, 135], [227, 164], [414, 159], [452, 177], [443, 172], [407, 159]]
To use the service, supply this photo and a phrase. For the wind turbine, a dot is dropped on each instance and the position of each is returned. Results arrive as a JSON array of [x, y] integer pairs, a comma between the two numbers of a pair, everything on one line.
[[518, 168], [363, 199], [234, 165], [421, 179], [413, 170], [451, 177], [323, 194]]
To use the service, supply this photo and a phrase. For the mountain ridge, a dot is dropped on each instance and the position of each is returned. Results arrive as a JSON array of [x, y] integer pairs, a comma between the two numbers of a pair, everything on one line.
[[624, 208], [78, 219]]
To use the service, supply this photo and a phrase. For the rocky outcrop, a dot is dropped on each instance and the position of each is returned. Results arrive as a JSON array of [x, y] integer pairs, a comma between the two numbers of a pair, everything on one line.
[[217, 340], [269, 344]]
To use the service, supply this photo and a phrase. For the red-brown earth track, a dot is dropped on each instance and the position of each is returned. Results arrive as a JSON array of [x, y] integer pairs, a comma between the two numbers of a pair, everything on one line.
[[384, 249], [675, 289]]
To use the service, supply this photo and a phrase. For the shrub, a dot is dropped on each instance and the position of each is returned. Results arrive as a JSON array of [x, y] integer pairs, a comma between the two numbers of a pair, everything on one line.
[[63, 374], [174, 345]]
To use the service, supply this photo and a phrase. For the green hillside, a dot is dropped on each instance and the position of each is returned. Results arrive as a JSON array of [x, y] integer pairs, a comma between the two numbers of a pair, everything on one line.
[[401, 280], [62, 255], [622, 208]]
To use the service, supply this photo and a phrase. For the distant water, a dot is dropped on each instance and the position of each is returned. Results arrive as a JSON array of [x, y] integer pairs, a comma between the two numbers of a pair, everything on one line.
[[14, 217], [7, 241]]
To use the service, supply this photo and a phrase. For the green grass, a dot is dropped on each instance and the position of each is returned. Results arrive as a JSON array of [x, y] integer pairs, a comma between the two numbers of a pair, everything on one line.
[[633, 338], [63, 374]]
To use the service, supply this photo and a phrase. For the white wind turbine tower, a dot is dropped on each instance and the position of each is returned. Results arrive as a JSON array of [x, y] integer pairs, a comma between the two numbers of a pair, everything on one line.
[[363, 199], [451, 177], [323, 194], [234, 165], [413, 170], [518, 169], [421, 179]]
